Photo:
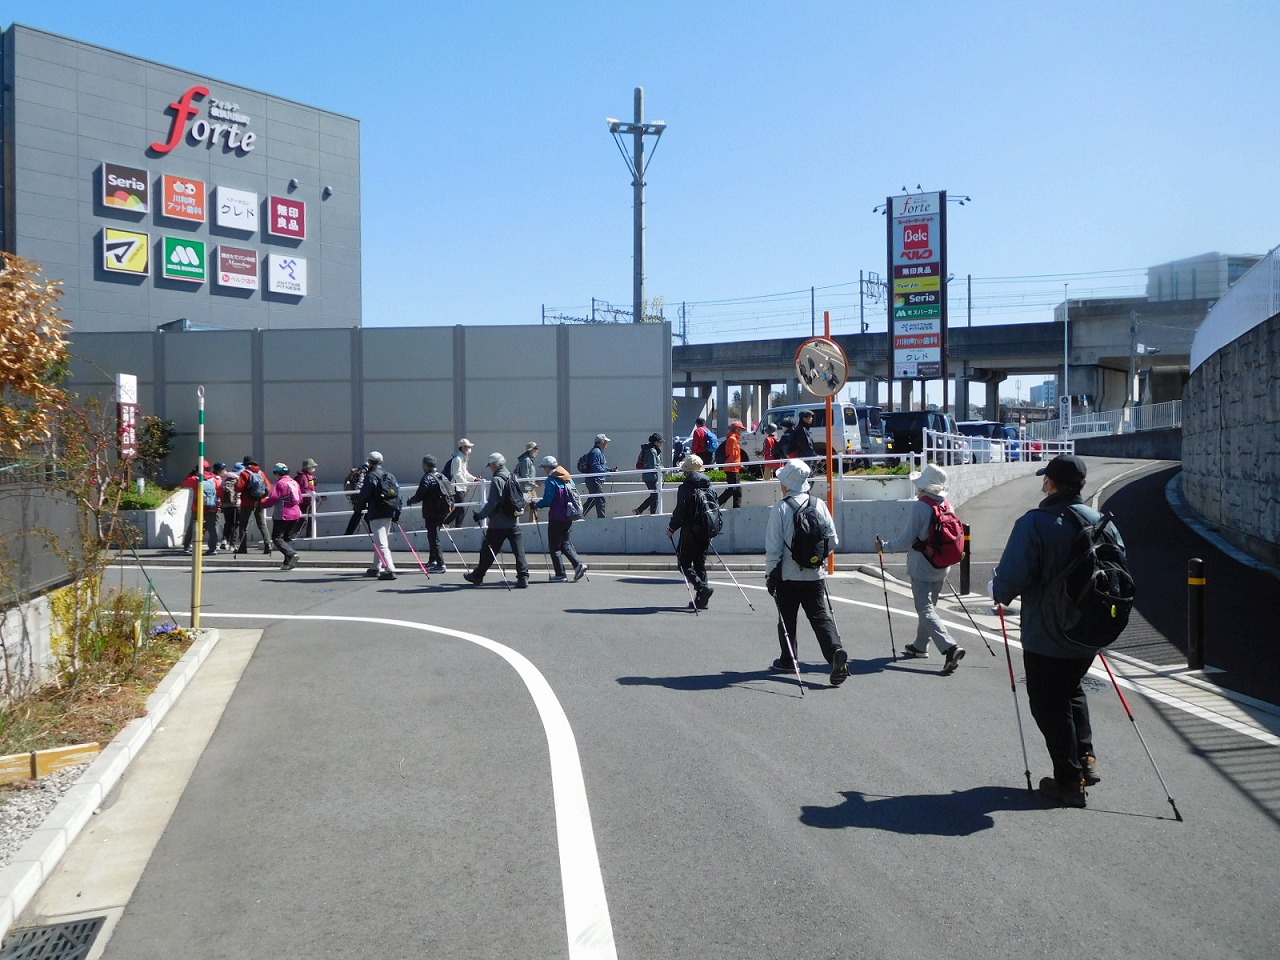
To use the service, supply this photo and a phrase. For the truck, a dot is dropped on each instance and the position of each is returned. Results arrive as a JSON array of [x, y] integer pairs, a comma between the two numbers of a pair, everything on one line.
[[855, 429]]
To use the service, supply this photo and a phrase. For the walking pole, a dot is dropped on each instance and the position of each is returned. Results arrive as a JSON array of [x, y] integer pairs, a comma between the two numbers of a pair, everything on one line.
[[494, 553], [693, 601], [712, 544], [884, 585], [376, 549], [1013, 686], [151, 584], [412, 550], [971, 620], [461, 559], [546, 554], [791, 647], [1125, 702]]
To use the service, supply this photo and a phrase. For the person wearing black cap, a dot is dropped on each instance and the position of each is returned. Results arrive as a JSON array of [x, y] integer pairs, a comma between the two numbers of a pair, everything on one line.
[[1040, 546], [801, 447], [651, 461], [437, 504]]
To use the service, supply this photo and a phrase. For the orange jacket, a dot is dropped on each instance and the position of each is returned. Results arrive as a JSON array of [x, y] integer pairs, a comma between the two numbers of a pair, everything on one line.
[[732, 453]]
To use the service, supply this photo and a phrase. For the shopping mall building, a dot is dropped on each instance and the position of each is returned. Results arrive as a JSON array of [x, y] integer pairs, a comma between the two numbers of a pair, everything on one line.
[[159, 196]]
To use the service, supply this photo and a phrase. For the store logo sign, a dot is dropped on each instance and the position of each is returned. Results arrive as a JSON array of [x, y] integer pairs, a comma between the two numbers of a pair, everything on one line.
[[286, 218], [124, 188], [184, 260], [236, 209], [287, 274], [237, 267], [183, 199], [225, 124], [124, 251]]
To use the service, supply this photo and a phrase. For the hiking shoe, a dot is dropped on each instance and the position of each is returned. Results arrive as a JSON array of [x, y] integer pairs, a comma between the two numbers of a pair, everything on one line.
[[954, 656], [522, 583], [1089, 764], [371, 572], [910, 651], [579, 572], [472, 579], [437, 568], [266, 550], [782, 666], [559, 578], [1052, 790], [840, 668], [704, 597], [386, 575], [291, 562]]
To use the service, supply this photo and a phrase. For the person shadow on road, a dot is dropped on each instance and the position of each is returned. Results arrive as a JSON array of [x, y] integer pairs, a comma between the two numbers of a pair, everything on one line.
[[956, 814]]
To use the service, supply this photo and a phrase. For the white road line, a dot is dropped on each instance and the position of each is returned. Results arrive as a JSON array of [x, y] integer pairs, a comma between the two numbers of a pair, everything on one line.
[[587, 921]]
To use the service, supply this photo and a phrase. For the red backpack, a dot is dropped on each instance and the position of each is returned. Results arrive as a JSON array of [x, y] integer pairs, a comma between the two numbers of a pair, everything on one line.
[[945, 545]]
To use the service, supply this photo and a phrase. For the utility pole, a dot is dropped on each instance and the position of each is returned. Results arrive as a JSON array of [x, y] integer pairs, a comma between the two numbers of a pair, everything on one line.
[[636, 166]]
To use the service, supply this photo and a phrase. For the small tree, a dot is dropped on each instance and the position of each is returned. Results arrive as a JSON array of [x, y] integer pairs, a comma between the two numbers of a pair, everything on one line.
[[33, 354], [155, 441]]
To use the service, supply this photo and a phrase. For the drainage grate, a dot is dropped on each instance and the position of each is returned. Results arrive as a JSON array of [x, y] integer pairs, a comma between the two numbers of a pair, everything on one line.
[[61, 941]]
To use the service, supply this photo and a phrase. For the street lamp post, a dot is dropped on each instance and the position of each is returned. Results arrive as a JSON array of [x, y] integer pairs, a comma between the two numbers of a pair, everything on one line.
[[636, 165]]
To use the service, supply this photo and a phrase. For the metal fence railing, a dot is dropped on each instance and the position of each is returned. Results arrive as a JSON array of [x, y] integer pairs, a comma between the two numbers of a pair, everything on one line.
[[1148, 416]]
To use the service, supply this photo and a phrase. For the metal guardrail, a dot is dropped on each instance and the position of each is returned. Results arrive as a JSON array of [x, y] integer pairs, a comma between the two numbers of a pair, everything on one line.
[[1148, 416]]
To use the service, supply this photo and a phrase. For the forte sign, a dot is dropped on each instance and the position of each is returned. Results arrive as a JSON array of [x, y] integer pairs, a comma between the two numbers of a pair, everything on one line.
[[225, 124]]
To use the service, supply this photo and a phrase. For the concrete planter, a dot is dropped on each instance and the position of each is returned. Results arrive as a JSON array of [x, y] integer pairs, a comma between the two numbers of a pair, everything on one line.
[[877, 488], [163, 526]]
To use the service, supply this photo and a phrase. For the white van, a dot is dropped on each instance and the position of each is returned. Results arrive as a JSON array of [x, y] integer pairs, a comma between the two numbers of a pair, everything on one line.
[[855, 428]]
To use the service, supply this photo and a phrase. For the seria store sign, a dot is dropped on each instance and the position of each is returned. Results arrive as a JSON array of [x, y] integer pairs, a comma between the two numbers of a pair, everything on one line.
[[225, 124]]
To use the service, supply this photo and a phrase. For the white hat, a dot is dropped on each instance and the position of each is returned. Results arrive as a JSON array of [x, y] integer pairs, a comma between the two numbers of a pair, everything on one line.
[[794, 475], [601, 437], [464, 442], [549, 462], [497, 458], [374, 457], [932, 480]]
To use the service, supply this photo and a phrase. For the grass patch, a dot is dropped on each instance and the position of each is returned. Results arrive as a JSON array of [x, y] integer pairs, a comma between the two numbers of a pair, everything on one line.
[[152, 498]]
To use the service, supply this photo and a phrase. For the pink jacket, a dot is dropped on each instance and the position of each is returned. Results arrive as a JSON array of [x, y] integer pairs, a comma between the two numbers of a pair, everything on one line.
[[286, 493]]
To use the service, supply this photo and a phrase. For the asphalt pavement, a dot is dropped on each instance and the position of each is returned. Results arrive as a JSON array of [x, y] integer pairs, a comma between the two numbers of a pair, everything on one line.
[[421, 768]]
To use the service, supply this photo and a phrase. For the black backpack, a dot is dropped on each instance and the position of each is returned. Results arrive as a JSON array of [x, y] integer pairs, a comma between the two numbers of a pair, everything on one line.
[[511, 502], [640, 456], [719, 455], [436, 504], [1088, 601], [584, 462], [705, 518], [810, 545], [388, 489]]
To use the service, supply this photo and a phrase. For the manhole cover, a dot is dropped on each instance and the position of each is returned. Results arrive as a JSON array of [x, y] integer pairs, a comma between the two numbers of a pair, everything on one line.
[[60, 941]]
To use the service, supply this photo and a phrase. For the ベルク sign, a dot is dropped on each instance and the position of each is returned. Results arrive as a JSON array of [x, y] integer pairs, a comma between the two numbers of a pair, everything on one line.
[[237, 267]]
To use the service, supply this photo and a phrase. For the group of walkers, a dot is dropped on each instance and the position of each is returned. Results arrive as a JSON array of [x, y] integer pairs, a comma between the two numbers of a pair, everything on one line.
[[799, 535]]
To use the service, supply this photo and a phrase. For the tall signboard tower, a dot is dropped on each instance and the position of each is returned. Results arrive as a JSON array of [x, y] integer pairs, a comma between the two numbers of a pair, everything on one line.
[[916, 244]]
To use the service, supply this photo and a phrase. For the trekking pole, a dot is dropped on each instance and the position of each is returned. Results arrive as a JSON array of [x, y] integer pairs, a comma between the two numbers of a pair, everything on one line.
[[712, 544], [971, 620], [791, 647], [1017, 710], [494, 553], [884, 585], [1125, 702], [693, 601], [151, 584], [413, 551], [546, 554], [461, 559], [376, 549]]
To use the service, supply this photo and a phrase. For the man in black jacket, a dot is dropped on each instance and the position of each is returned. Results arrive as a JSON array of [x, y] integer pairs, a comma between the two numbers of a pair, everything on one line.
[[691, 554], [381, 509], [436, 506], [504, 527]]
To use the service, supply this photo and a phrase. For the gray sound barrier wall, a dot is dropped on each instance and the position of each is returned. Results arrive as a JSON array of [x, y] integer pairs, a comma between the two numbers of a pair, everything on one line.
[[333, 395]]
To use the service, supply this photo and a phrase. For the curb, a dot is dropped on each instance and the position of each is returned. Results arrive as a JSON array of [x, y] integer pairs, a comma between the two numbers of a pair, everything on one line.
[[21, 879]]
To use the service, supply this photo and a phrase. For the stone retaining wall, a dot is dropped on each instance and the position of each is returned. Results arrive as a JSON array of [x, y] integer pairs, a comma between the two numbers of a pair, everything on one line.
[[1231, 440]]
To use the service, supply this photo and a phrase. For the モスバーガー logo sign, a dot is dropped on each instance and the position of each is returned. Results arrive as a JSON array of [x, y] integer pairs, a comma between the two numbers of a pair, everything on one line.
[[225, 125]]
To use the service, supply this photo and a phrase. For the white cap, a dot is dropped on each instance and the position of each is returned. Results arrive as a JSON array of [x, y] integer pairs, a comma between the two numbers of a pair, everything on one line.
[[464, 442], [601, 437], [497, 458], [794, 475], [374, 456]]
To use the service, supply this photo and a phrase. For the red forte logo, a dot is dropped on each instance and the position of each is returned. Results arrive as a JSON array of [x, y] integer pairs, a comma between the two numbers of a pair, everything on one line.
[[227, 126]]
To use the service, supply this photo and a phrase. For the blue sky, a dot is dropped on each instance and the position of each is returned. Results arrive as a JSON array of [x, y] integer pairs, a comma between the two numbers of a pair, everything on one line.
[[1095, 140]]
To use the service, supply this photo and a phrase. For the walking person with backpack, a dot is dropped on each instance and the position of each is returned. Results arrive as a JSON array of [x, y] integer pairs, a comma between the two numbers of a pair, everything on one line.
[[731, 459], [1042, 547], [503, 509], [697, 517], [559, 493], [286, 521], [436, 507], [379, 502], [594, 466], [800, 446], [933, 538], [228, 504], [527, 473], [650, 461], [206, 485], [457, 478], [799, 536], [251, 487]]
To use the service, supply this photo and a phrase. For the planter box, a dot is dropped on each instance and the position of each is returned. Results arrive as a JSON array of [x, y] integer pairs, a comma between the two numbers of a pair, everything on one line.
[[877, 488], [163, 526]]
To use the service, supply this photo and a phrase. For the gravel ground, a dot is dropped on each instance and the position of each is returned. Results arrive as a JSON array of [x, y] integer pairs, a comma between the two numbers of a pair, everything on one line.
[[24, 809]]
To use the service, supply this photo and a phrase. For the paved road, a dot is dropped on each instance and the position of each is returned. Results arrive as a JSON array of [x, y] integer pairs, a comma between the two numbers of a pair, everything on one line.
[[379, 789]]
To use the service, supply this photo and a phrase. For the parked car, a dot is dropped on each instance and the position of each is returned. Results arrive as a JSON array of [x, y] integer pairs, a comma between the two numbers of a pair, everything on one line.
[[904, 433], [981, 434]]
